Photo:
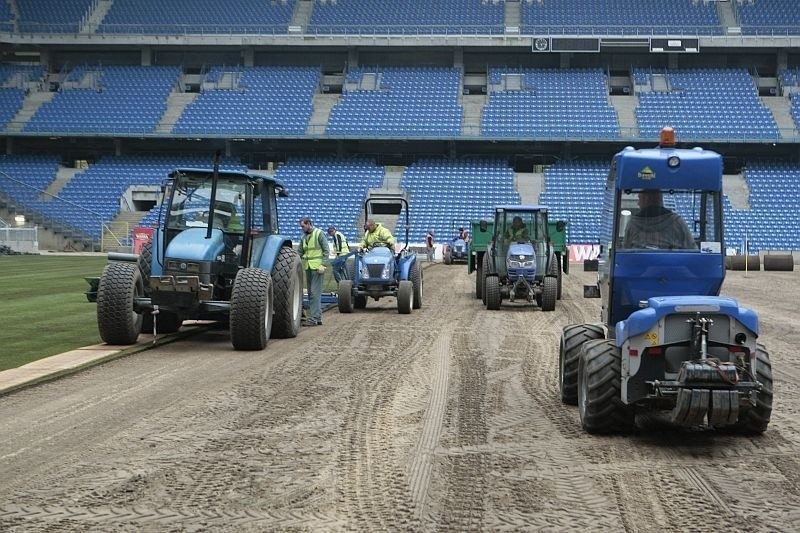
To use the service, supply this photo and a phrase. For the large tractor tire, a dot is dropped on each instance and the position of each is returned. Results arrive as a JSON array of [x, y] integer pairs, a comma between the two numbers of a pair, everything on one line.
[[569, 353], [117, 320], [549, 293], [448, 257], [345, 296], [599, 389], [780, 262], [755, 420], [251, 309], [479, 280], [405, 297], [415, 276], [287, 292], [555, 271], [493, 296], [145, 264], [486, 270]]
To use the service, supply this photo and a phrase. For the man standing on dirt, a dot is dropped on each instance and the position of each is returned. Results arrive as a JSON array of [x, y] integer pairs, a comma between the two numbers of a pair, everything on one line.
[[429, 245], [314, 251], [340, 247]]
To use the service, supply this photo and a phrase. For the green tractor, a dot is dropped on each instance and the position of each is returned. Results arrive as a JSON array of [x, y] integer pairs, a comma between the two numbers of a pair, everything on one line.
[[481, 235], [519, 261]]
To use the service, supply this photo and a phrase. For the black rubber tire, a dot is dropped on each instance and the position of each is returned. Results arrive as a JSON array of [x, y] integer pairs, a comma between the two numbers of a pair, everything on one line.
[[755, 420], [599, 389], [345, 296], [558, 275], [120, 284], [145, 266], [569, 353], [486, 271], [405, 297], [549, 293], [448, 259], [479, 282], [779, 262], [360, 301], [251, 309], [287, 294], [492, 290], [415, 276]]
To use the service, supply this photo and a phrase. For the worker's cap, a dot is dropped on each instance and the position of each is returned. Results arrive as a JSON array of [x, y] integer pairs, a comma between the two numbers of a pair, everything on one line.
[[331, 228]]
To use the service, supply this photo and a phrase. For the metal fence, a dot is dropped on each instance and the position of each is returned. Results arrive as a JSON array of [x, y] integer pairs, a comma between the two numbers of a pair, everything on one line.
[[25, 240]]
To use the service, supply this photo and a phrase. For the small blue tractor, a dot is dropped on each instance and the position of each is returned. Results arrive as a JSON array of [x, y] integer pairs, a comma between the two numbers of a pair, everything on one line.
[[519, 262], [455, 250], [381, 271], [668, 344], [216, 255]]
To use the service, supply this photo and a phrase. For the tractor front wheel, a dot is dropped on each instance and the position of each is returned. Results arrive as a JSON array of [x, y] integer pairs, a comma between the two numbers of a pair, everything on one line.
[[345, 296], [549, 294], [492, 290], [117, 320], [405, 297], [415, 275], [287, 287], [569, 353], [251, 309], [599, 388]]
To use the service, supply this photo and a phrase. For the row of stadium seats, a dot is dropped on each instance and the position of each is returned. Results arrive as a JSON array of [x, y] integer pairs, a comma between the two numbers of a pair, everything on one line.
[[445, 194], [599, 17], [544, 103]]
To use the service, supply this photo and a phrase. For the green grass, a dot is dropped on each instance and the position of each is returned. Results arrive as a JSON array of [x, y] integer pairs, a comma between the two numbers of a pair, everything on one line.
[[43, 308]]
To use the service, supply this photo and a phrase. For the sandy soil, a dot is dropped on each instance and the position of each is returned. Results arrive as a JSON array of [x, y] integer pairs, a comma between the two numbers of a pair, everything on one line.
[[448, 419]]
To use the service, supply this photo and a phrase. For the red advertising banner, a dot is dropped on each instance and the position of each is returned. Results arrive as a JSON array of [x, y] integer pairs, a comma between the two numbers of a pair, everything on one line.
[[140, 237]]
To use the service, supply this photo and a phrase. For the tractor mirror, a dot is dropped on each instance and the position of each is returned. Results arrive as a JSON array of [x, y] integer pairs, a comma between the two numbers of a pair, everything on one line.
[[283, 193], [483, 226]]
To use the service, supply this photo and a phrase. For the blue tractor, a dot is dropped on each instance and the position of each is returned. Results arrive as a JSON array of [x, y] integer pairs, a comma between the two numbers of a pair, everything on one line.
[[668, 343], [216, 255], [520, 262], [381, 271], [455, 250]]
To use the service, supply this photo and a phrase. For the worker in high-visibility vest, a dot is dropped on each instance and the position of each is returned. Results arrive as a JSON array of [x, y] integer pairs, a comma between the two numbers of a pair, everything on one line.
[[314, 251], [340, 247], [376, 235]]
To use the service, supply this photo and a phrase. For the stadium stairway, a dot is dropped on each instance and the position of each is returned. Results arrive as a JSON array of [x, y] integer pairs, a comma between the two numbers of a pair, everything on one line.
[[176, 103], [626, 114], [781, 109], [29, 107], [322, 104], [529, 185]]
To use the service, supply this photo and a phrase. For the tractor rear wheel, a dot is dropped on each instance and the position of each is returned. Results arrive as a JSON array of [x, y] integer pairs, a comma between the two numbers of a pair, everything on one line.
[[549, 292], [755, 420], [251, 309], [345, 296], [145, 264], [405, 297], [486, 271], [287, 288], [448, 258], [599, 388], [569, 353], [479, 281], [117, 320], [492, 289], [415, 276]]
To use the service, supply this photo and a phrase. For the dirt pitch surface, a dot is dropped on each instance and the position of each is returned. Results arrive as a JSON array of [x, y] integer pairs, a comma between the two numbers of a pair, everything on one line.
[[448, 419]]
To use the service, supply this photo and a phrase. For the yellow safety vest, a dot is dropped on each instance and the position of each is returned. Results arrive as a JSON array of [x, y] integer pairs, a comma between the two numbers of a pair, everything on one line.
[[312, 251], [343, 240]]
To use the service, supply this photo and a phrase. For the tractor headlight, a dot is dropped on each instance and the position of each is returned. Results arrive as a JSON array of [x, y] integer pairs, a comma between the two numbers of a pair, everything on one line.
[[364, 271], [521, 262], [385, 273]]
